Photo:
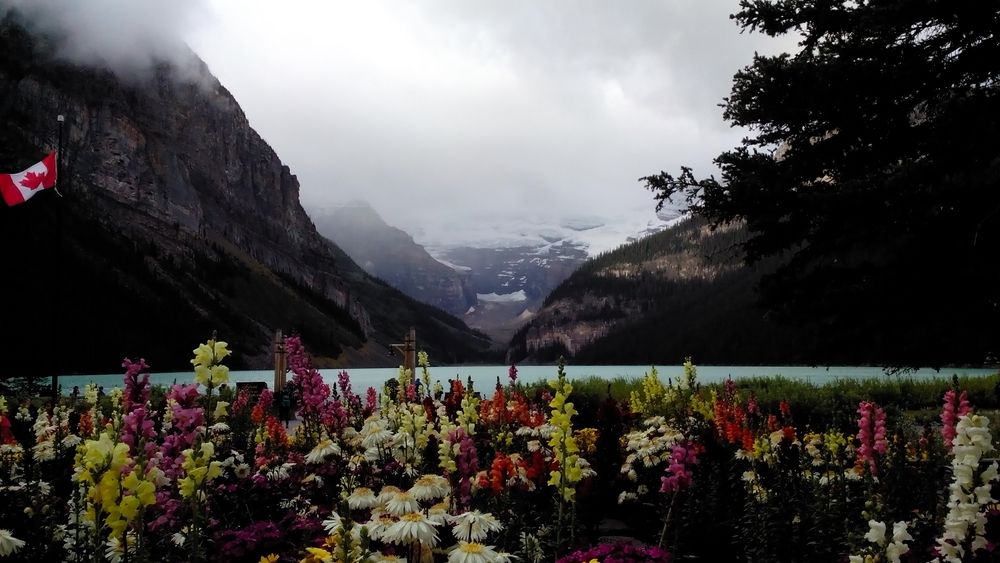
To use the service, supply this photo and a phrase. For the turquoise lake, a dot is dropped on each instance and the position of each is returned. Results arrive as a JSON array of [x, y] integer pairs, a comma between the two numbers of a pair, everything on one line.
[[485, 377]]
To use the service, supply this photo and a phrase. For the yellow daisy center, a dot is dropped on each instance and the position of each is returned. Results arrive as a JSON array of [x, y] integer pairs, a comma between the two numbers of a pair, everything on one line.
[[473, 548], [413, 517]]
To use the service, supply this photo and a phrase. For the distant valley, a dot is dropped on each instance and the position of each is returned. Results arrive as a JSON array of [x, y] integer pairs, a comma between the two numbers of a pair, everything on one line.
[[494, 281]]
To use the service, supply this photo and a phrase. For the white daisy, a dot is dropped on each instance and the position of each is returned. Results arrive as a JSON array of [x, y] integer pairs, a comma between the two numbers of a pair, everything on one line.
[[429, 487], [8, 543], [113, 550], [379, 525], [313, 478], [402, 503], [466, 552], [242, 471], [323, 450], [375, 432], [474, 526], [332, 523], [410, 528], [362, 498], [387, 493], [439, 512]]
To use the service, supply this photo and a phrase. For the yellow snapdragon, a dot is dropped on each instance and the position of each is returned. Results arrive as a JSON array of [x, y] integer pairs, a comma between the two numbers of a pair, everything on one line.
[[199, 469], [561, 441], [208, 370]]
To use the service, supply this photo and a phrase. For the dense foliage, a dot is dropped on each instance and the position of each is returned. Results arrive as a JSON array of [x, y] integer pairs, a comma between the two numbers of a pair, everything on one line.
[[542, 472], [866, 171]]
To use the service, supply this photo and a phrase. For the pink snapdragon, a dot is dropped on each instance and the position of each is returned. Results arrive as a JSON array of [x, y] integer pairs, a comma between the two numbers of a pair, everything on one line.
[[347, 394], [955, 406], [137, 426], [467, 463], [871, 434], [512, 374], [314, 393], [683, 456], [371, 401], [186, 418], [136, 383]]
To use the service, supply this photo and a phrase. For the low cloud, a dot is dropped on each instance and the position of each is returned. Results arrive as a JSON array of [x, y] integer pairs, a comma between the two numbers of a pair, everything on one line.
[[125, 36]]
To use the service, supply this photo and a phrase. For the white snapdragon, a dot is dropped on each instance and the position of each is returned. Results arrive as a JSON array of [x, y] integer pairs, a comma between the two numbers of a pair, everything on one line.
[[965, 524], [892, 547]]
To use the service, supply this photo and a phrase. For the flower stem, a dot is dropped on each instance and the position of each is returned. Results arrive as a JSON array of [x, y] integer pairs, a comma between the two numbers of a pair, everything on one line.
[[666, 521]]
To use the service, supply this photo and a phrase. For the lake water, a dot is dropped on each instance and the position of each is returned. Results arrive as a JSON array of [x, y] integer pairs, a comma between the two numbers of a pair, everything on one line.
[[484, 377]]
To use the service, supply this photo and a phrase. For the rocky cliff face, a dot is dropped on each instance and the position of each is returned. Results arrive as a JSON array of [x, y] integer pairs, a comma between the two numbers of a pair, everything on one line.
[[392, 255], [170, 162]]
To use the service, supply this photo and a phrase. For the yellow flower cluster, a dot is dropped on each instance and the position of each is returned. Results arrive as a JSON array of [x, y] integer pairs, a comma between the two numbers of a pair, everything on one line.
[[208, 370], [199, 469], [414, 426], [446, 450], [468, 416], [586, 439], [561, 441], [342, 546], [119, 501], [704, 406], [653, 396], [424, 362]]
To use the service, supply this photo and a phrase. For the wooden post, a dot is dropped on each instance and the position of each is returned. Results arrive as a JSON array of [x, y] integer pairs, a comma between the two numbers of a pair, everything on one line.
[[279, 362], [409, 350]]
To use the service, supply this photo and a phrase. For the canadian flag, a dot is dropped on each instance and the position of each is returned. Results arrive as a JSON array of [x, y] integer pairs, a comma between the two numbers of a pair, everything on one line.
[[19, 187]]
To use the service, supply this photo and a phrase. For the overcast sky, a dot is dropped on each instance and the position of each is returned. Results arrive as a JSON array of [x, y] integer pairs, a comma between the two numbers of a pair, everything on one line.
[[438, 111]]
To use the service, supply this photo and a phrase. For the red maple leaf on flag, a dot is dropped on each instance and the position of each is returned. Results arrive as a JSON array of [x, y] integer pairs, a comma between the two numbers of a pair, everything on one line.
[[33, 180]]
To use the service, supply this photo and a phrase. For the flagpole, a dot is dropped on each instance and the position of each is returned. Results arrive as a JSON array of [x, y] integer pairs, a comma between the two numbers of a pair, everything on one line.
[[61, 119], [59, 151]]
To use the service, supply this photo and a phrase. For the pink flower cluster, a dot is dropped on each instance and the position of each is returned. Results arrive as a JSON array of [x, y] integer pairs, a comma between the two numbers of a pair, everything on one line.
[[316, 403], [137, 426], [467, 462], [955, 406], [313, 392], [136, 383], [348, 397], [678, 476], [871, 434]]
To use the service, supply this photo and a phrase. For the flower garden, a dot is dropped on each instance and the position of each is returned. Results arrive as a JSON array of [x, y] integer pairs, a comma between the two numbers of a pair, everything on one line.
[[525, 472]]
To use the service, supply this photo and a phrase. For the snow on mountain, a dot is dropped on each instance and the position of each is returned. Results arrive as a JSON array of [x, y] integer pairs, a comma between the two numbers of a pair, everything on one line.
[[518, 295], [590, 234]]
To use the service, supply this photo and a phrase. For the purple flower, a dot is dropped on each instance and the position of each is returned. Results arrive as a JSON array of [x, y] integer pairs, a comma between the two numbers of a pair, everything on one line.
[[620, 552]]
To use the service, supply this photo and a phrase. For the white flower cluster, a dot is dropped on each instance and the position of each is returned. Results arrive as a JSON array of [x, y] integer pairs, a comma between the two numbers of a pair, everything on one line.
[[893, 547], [965, 524], [646, 449]]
